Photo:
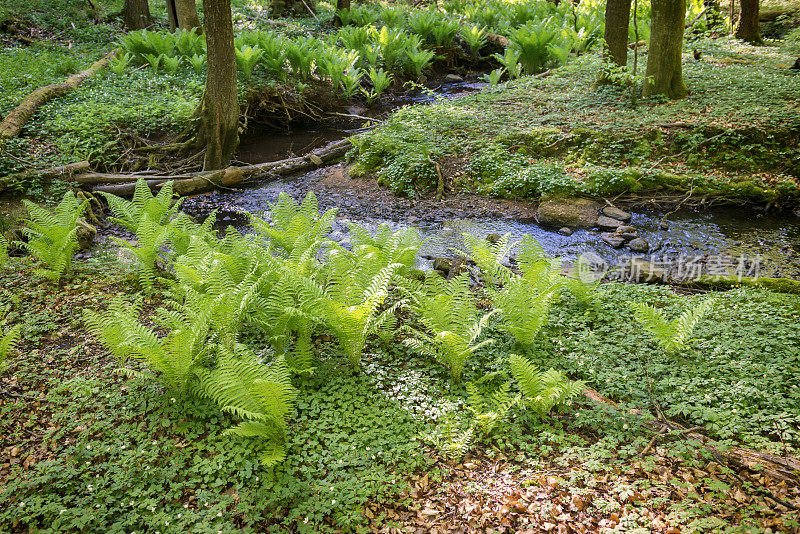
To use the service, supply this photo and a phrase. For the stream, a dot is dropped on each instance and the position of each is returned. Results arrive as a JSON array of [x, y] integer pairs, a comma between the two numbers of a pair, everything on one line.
[[761, 244]]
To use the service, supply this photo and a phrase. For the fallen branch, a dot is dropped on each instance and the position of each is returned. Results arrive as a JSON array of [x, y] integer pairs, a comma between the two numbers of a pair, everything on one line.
[[13, 122], [779, 467], [199, 182], [66, 171]]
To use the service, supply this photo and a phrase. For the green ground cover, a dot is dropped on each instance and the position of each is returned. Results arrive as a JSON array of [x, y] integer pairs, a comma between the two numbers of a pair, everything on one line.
[[87, 447], [735, 135]]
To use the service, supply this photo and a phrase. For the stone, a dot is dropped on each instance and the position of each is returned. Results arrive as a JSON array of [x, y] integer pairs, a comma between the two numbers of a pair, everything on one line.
[[565, 230], [570, 212], [641, 270], [625, 230], [616, 213], [493, 238], [664, 225], [453, 78], [612, 240], [639, 245], [442, 264], [86, 234], [607, 223]]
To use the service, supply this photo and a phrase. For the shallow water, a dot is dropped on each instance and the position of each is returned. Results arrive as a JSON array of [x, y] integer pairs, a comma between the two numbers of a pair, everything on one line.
[[772, 241]]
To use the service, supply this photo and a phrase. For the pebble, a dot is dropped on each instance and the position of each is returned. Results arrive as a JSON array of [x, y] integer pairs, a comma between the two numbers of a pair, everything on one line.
[[565, 231], [616, 213], [612, 240], [639, 245]]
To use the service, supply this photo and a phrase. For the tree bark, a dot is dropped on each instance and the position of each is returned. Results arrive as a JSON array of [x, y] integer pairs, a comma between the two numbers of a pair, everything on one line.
[[136, 15], [618, 13], [340, 4], [219, 109], [17, 118], [664, 75], [747, 28], [182, 15]]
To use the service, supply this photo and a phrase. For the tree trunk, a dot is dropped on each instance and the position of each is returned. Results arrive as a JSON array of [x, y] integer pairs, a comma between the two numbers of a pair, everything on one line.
[[664, 74], [340, 4], [219, 109], [136, 15], [747, 28], [618, 13], [183, 14]]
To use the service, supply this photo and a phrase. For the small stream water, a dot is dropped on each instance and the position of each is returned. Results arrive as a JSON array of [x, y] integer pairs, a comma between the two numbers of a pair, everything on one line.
[[769, 243]]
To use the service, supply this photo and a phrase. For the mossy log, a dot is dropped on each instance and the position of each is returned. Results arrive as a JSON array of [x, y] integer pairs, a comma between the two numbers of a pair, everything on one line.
[[14, 122], [68, 172], [778, 467], [199, 182], [779, 285]]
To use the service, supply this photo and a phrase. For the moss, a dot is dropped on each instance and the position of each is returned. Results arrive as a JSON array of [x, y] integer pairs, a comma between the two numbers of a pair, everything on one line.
[[779, 285]]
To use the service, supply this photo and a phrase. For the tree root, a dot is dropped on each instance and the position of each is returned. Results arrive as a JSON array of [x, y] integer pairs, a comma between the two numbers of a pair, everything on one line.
[[778, 467]]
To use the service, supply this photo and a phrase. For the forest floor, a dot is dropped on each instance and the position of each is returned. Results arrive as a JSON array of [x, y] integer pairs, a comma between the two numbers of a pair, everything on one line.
[[84, 448]]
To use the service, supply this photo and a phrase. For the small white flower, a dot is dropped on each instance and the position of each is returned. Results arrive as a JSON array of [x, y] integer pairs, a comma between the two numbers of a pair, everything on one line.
[[333, 501], [22, 505]]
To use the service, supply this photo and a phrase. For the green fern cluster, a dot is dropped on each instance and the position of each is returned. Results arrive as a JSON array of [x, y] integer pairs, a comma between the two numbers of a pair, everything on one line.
[[542, 391], [8, 339], [260, 395], [3, 250], [450, 436], [488, 410], [52, 236], [153, 221], [292, 221], [450, 320], [672, 336]]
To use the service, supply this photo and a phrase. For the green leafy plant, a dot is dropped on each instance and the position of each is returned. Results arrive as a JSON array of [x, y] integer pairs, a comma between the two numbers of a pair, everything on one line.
[[672, 336], [198, 62], [152, 218], [380, 82], [510, 60], [261, 395], [174, 357], [490, 409], [292, 221], [247, 57], [531, 43], [9, 339], [450, 436], [475, 37], [52, 236], [451, 321], [120, 62], [3, 250], [542, 391], [171, 64], [154, 61], [493, 78], [419, 60]]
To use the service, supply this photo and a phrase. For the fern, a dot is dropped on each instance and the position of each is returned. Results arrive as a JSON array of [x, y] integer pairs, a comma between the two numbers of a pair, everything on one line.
[[542, 391], [292, 221], [585, 283], [449, 436], [489, 256], [3, 251], [258, 394], [174, 357], [152, 219], [8, 341], [492, 409], [52, 236], [672, 336], [524, 306], [451, 319]]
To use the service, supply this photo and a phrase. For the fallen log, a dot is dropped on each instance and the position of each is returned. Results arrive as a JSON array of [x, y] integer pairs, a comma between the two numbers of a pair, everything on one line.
[[13, 122], [779, 467], [66, 171], [200, 182]]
